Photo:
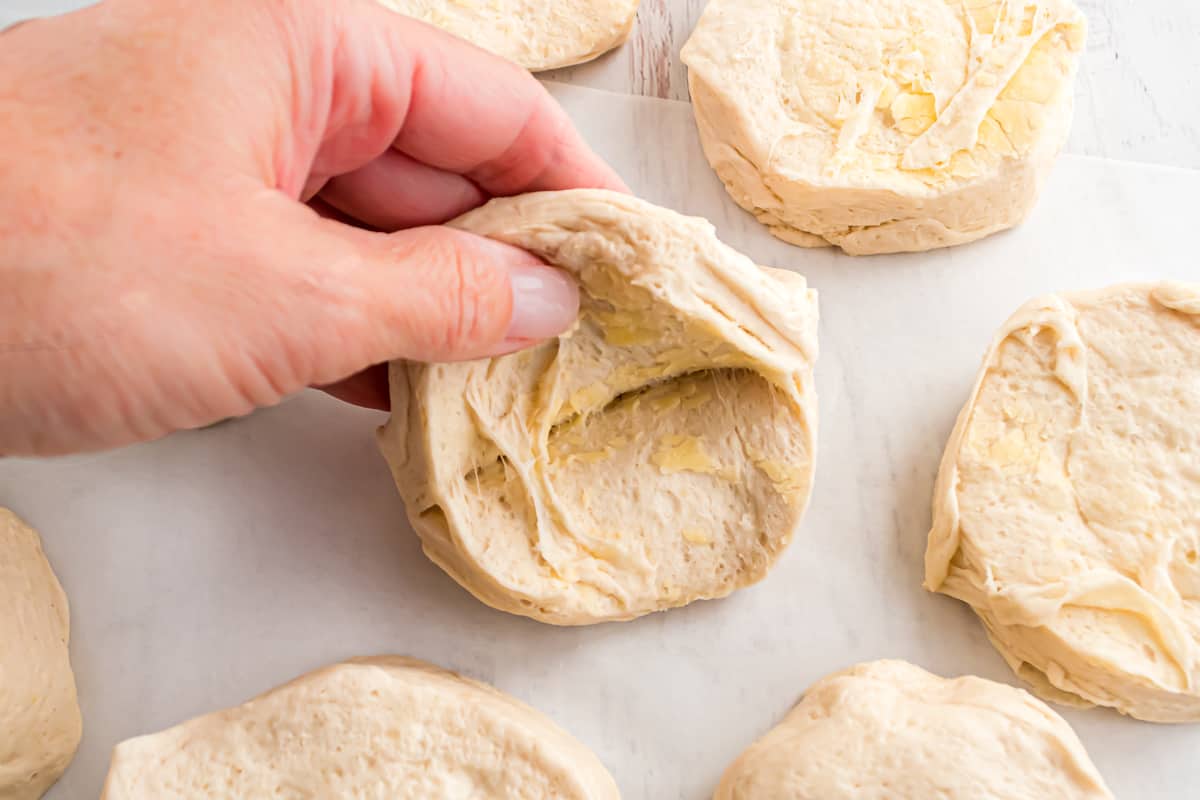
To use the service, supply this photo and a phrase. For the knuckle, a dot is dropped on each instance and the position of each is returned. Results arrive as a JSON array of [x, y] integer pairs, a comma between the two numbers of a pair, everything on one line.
[[472, 286], [523, 164], [461, 295]]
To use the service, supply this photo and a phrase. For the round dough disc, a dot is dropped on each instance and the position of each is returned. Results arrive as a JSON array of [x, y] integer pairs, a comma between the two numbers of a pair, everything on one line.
[[890, 730], [537, 34], [40, 723], [882, 126], [1067, 509], [658, 453], [377, 727]]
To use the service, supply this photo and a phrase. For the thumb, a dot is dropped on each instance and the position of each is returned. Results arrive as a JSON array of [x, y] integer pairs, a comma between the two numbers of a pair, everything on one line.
[[352, 298], [449, 295]]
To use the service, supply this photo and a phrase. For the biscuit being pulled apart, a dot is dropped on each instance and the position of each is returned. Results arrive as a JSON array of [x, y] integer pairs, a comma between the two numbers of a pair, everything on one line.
[[658, 453], [890, 731], [1067, 508]]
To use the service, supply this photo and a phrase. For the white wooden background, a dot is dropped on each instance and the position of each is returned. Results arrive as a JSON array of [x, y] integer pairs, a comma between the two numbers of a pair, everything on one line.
[[1138, 92]]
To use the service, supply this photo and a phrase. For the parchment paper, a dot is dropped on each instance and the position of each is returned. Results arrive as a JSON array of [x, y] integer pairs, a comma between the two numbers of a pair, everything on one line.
[[213, 565]]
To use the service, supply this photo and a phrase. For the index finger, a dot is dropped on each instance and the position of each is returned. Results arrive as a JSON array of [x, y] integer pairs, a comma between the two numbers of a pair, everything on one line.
[[475, 114]]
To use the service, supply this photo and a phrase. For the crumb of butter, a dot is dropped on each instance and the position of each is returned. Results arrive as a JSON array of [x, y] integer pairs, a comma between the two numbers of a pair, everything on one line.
[[625, 329], [695, 536], [729, 474], [588, 398], [683, 454], [685, 394], [665, 403], [787, 480], [913, 113], [1013, 449], [593, 457]]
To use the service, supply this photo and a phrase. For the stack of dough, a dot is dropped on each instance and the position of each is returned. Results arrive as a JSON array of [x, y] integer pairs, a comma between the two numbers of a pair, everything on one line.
[[882, 126], [658, 453], [537, 34], [1067, 510], [383, 727], [890, 730], [40, 723]]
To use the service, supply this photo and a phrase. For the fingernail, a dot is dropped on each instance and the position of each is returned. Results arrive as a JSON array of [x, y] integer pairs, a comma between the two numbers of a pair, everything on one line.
[[545, 302]]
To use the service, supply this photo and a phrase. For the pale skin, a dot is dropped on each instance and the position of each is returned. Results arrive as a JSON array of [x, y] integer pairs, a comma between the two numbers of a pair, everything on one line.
[[208, 206]]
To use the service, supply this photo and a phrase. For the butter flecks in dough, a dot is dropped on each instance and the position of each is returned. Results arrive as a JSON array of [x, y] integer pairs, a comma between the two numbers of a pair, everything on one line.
[[376, 727], [1067, 508], [40, 724], [884, 125], [537, 34], [554, 483], [888, 730]]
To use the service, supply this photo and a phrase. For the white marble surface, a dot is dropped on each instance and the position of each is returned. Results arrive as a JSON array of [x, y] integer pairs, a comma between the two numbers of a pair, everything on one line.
[[213, 565], [1137, 98]]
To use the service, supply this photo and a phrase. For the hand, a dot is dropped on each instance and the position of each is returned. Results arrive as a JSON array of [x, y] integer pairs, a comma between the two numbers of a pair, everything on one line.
[[185, 189]]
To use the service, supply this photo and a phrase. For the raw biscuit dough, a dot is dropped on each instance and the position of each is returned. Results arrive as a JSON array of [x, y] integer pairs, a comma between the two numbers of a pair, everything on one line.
[[40, 723], [390, 728], [891, 731], [537, 34], [883, 126], [1067, 509], [659, 453]]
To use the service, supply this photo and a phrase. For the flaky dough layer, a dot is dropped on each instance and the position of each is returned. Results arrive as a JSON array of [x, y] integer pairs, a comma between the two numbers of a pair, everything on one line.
[[1066, 509]]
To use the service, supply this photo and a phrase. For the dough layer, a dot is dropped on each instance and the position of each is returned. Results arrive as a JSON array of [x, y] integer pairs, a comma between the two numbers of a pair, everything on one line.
[[658, 453], [884, 126], [889, 730], [40, 724], [1067, 508], [385, 727], [537, 34]]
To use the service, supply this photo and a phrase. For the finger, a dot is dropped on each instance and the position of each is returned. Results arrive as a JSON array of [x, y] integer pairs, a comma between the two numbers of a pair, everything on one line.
[[397, 82], [510, 139], [395, 191], [343, 299]]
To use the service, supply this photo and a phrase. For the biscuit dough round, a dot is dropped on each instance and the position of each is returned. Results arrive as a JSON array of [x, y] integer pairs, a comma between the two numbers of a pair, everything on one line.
[[40, 724], [888, 730], [384, 727], [537, 34], [884, 126], [1067, 508], [658, 453]]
